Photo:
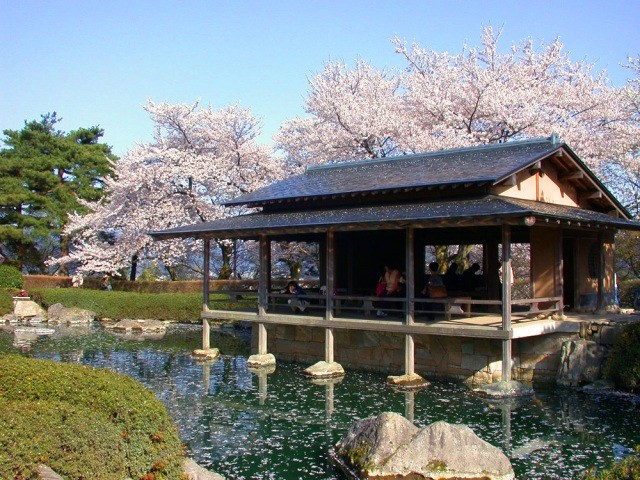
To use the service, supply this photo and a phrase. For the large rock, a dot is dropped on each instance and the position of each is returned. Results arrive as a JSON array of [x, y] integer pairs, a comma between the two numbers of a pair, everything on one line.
[[27, 308], [389, 446], [193, 471], [46, 473], [580, 363], [57, 313]]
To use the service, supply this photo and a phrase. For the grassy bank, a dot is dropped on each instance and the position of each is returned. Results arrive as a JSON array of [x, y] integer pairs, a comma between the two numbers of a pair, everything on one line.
[[174, 307]]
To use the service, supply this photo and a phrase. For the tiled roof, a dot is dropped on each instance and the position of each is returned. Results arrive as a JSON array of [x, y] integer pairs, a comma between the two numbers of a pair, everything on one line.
[[474, 165], [490, 207]]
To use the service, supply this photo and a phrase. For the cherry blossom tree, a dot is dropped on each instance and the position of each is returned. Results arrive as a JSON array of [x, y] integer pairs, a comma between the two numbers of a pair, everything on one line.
[[478, 96], [622, 172], [354, 114], [200, 157], [475, 97]]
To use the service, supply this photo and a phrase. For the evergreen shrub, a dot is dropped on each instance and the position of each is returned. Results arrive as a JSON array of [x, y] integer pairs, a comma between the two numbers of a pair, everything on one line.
[[10, 277], [623, 364], [83, 423], [626, 469], [6, 302], [627, 291]]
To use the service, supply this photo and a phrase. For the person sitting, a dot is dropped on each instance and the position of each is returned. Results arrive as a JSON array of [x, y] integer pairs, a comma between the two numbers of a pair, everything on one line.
[[296, 303], [469, 278], [106, 283], [77, 280], [388, 286], [452, 277]]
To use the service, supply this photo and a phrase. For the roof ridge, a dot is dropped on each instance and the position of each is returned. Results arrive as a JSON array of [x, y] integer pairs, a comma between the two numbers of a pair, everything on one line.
[[553, 139]]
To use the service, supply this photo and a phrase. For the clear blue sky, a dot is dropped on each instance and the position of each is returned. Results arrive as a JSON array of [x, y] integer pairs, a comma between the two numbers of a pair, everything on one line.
[[97, 62]]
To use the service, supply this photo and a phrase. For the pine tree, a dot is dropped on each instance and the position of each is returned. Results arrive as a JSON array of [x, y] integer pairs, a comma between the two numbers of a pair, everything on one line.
[[44, 173]]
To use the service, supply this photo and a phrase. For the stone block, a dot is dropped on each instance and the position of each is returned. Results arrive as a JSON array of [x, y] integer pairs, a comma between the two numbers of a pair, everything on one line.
[[467, 348], [474, 362]]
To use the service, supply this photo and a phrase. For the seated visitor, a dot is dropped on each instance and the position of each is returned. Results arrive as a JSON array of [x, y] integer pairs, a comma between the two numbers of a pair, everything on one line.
[[389, 285], [470, 277], [296, 303]]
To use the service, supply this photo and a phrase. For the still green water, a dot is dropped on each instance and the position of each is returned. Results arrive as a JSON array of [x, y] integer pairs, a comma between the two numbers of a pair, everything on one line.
[[245, 425]]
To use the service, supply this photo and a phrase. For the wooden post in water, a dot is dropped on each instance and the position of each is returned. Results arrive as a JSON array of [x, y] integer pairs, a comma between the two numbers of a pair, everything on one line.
[[330, 269], [410, 380], [262, 360], [506, 301], [206, 345], [262, 295], [409, 343]]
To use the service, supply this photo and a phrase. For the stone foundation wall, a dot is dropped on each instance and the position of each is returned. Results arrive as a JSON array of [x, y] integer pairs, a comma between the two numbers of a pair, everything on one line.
[[475, 361]]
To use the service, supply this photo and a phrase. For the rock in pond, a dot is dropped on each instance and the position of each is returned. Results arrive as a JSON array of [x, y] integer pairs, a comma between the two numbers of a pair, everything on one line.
[[324, 369], [138, 326], [58, 313], [504, 389], [193, 471], [389, 446]]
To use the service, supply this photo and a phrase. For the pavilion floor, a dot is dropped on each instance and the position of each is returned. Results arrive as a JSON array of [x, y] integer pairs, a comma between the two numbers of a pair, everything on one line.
[[487, 325]]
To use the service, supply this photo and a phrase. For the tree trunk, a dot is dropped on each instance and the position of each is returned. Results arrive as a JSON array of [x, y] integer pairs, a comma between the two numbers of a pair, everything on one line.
[[442, 257], [462, 257], [173, 275], [227, 252], [134, 267], [64, 251]]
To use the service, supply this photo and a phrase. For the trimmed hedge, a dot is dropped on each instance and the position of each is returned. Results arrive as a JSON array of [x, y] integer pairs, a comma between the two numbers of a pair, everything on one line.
[[83, 423], [623, 364], [32, 282], [46, 281]]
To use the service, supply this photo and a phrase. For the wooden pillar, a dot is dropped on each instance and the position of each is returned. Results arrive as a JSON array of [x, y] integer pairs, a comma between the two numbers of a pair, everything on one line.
[[601, 271], [506, 301], [409, 344], [206, 334], [262, 294], [491, 263], [205, 280], [560, 271], [330, 283]]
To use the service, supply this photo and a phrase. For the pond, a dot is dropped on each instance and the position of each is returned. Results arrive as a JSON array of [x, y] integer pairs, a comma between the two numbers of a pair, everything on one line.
[[281, 425]]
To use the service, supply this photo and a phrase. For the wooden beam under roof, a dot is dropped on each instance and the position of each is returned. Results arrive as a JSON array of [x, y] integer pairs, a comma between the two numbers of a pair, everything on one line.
[[575, 175], [591, 196]]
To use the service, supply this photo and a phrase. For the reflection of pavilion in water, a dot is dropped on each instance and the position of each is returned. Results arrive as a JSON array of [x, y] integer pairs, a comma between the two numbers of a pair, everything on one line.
[[571, 421]]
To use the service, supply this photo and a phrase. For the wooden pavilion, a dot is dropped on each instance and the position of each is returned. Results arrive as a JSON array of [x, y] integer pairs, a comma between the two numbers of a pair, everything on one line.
[[365, 214]]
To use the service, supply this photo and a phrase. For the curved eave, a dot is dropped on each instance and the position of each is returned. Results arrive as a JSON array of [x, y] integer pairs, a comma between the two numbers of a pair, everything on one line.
[[371, 193], [484, 211]]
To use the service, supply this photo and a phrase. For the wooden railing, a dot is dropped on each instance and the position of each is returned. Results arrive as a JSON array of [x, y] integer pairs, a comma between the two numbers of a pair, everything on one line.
[[447, 308]]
